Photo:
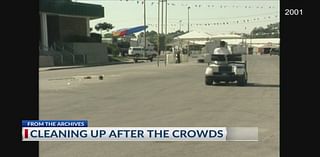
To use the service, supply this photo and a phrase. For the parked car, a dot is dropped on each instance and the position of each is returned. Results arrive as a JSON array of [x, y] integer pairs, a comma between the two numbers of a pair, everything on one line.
[[139, 51]]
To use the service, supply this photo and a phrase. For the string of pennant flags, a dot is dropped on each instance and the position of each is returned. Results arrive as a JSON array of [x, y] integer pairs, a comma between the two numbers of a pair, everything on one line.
[[172, 28], [221, 6], [223, 22]]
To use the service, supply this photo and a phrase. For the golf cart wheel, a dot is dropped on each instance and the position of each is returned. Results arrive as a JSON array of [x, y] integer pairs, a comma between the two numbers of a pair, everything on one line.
[[208, 81]]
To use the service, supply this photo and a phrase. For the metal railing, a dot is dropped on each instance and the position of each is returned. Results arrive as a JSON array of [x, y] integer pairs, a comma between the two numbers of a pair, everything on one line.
[[63, 54]]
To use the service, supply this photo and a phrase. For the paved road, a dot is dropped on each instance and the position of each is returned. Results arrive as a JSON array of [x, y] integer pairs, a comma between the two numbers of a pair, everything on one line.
[[144, 95]]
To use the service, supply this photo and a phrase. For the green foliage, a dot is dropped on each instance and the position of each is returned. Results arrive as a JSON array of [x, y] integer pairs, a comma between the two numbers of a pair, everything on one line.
[[152, 37], [162, 42], [114, 40], [95, 37], [172, 35], [271, 31], [80, 38], [113, 49], [124, 44], [119, 59], [108, 35], [103, 27]]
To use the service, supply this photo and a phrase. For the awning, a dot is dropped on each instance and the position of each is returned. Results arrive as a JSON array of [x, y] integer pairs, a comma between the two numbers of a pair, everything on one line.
[[71, 8]]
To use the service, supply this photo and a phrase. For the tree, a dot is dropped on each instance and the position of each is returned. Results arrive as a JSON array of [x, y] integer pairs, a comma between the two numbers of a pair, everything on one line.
[[152, 37], [103, 27], [271, 31], [108, 35], [172, 35]]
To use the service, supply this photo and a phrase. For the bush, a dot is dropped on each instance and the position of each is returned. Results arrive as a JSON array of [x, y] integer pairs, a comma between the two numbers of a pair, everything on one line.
[[124, 44], [113, 49], [80, 38], [96, 37]]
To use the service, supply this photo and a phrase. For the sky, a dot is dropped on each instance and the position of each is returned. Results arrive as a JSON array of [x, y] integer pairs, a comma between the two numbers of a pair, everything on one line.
[[212, 16]]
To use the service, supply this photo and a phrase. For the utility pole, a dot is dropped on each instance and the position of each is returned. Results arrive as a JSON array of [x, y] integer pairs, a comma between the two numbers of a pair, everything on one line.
[[158, 33], [166, 32], [180, 25], [162, 17], [188, 20], [162, 37]]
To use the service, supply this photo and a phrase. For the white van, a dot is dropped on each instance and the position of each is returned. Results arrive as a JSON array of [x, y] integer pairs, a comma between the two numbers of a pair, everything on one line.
[[139, 51]]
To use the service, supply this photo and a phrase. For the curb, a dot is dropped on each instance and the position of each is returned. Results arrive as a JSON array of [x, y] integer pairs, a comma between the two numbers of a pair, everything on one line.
[[83, 66]]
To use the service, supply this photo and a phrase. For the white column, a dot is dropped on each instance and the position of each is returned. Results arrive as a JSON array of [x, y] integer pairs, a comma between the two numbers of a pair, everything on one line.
[[88, 26], [44, 31]]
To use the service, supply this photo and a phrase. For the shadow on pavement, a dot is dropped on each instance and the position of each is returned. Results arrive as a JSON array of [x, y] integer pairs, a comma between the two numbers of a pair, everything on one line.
[[84, 66], [262, 85], [248, 85]]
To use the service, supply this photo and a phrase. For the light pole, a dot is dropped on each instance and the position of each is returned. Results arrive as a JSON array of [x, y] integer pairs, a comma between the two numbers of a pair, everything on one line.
[[188, 29], [166, 31], [144, 21], [188, 20], [180, 25], [166, 17], [158, 33], [162, 17]]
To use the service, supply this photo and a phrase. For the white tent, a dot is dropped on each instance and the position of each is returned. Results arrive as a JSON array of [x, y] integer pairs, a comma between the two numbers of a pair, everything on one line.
[[266, 45], [226, 36], [198, 42], [194, 35], [233, 41], [264, 40]]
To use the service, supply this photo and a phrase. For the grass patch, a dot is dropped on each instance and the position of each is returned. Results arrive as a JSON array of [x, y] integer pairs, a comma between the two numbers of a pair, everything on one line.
[[118, 59]]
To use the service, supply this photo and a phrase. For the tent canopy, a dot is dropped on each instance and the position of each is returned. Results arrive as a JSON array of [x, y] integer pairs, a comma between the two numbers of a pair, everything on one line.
[[194, 35], [226, 36]]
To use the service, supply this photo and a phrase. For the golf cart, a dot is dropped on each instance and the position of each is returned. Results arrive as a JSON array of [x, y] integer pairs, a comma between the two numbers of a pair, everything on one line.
[[226, 68]]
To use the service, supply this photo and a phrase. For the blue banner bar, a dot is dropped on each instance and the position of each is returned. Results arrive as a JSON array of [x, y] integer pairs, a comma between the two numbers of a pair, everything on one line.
[[54, 123]]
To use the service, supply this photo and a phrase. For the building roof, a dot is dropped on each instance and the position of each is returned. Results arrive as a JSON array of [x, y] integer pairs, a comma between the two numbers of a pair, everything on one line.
[[194, 35], [264, 40], [261, 42], [66, 7], [198, 42], [226, 36]]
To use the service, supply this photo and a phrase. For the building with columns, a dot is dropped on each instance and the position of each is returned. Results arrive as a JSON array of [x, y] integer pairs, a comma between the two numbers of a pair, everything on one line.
[[67, 23], [62, 19]]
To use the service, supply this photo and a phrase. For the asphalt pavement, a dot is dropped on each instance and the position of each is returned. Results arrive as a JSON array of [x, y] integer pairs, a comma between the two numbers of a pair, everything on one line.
[[145, 95]]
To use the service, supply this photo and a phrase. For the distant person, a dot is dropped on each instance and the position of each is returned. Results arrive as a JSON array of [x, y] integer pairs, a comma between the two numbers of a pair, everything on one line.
[[178, 57], [222, 49]]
